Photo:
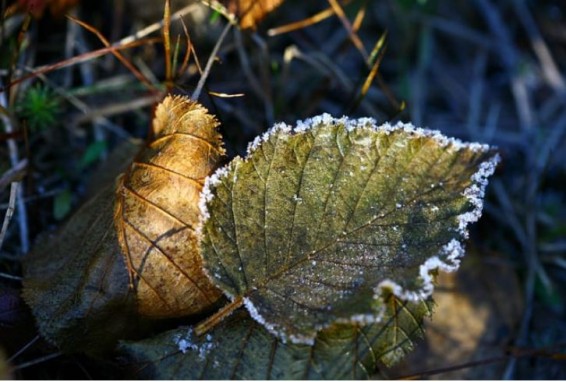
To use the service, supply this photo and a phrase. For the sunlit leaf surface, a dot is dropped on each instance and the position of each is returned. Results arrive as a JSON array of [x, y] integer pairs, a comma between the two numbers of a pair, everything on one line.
[[157, 210], [240, 348], [251, 12], [320, 219]]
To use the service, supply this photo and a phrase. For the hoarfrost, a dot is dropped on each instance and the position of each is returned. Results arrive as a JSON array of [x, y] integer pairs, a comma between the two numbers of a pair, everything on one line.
[[475, 194], [278, 127], [185, 343], [447, 260], [206, 195], [296, 339], [364, 319]]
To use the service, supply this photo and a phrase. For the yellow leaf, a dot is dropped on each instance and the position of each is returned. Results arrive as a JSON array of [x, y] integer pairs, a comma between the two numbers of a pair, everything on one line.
[[251, 12], [156, 210]]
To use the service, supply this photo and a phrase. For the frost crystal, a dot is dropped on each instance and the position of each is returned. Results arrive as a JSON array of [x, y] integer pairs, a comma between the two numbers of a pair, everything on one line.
[[206, 195], [279, 127], [475, 194], [272, 328], [185, 344]]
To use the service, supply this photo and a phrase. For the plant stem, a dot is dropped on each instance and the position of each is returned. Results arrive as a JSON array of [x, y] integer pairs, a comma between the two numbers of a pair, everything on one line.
[[208, 66], [217, 317]]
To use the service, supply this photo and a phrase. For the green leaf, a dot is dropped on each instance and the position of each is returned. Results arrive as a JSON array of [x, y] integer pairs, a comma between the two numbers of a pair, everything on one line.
[[319, 220], [62, 204], [92, 153], [77, 283], [240, 348]]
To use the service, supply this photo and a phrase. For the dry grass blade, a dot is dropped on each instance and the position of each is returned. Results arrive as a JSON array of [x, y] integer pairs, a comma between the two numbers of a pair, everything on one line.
[[167, 43], [188, 50], [9, 211], [204, 75], [376, 57], [316, 18], [348, 26], [14, 174], [16, 192], [79, 59], [116, 53]]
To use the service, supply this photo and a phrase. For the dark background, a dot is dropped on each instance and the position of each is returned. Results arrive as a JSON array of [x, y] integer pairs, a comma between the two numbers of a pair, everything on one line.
[[480, 70]]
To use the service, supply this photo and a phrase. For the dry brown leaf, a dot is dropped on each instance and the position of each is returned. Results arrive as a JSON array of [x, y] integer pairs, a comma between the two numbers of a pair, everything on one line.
[[156, 210], [251, 12], [130, 249]]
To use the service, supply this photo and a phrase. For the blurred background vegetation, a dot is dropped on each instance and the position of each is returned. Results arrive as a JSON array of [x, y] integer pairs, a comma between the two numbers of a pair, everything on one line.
[[480, 70]]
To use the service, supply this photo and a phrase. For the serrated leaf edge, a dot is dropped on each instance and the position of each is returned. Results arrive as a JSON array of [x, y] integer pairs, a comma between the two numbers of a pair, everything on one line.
[[453, 251]]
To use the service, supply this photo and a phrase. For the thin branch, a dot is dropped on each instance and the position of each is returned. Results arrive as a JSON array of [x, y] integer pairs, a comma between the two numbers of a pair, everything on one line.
[[9, 211], [77, 60], [15, 191], [116, 53], [23, 349], [211, 59], [37, 360], [155, 26]]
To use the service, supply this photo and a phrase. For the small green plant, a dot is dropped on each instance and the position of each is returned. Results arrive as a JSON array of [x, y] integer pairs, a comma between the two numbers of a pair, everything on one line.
[[40, 107]]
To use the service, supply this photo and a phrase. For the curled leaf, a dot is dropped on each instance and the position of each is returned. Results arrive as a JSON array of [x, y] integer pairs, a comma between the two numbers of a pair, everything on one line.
[[157, 210], [321, 219], [131, 249], [240, 348]]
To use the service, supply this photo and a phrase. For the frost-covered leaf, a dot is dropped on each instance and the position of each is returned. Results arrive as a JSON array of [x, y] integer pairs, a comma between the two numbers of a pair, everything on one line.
[[320, 219], [157, 210], [240, 348]]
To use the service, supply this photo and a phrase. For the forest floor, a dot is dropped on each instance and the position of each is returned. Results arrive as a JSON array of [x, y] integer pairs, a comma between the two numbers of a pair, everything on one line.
[[482, 70]]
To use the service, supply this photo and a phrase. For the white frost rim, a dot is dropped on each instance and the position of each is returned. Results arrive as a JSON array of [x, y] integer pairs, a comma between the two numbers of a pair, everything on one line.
[[447, 260]]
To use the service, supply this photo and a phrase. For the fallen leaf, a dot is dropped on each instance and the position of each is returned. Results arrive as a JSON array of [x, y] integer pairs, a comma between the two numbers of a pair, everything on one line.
[[157, 210], [320, 219], [251, 12], [131, 249], [240, 348], [76, 283]]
